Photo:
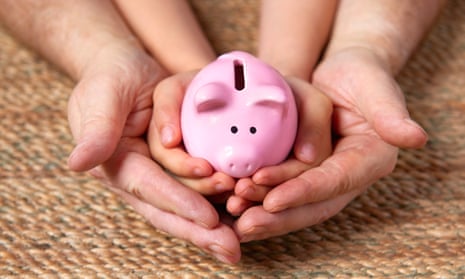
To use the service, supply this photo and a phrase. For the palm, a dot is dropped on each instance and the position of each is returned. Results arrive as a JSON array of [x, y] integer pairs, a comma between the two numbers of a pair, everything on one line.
[[109, 112], [360, 89], [367, 99], [112, 100], [369, 122]]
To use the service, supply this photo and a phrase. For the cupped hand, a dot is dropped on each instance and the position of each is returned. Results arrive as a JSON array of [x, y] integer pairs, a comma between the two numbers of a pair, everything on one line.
[[112, 99], [109, 113], [165, 140], [370, 121], [312, 145], [168, 205]]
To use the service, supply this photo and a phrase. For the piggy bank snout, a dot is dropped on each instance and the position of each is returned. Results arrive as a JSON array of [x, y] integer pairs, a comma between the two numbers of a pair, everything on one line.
[[239, 162]]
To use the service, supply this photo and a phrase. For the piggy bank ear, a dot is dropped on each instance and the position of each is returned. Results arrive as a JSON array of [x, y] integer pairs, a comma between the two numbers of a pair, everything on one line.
[[211, 96], [270, 96]]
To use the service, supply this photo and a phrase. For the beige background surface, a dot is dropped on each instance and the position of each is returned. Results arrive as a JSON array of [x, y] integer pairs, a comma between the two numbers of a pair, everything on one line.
[[410, 224]]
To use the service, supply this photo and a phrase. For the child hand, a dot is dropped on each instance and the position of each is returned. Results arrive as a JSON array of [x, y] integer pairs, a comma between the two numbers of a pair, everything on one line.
[[165, 140]]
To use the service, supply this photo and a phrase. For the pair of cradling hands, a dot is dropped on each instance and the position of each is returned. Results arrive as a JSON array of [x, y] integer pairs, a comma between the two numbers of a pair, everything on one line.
[[316, 181], [369, 120], [348, 50], [313, 145], [352, 119]]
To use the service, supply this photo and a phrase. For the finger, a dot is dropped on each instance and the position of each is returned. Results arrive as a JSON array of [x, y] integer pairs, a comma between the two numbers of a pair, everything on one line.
[[247, 189], [313, 140], [353, 78], [257, 223], [237, 205], [165, 134], [131, 170], [215, 184], [274, 175], [167, 99], [97, 115], [407, 133], [391, 120], [175, 159], [219, 241], [357, 162]]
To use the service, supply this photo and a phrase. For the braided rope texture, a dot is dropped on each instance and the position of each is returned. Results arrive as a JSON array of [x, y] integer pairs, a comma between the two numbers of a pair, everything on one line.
[[56, 223]]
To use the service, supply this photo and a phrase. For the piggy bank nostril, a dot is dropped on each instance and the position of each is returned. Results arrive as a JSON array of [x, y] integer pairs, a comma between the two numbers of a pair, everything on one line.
[[234, 129], [246, 166]]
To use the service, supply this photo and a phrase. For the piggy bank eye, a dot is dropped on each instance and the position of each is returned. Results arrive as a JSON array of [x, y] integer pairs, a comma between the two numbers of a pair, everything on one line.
[[234, 129], [253, 130]]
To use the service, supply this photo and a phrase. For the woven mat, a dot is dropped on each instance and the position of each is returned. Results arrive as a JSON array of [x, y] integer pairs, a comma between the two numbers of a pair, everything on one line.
[[56, 222]]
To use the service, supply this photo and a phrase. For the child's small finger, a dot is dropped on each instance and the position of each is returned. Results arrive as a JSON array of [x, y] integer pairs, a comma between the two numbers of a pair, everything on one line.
[[237, 205], [167, 100], [211, 185], [275, 175], [248, 190], [164, 133], [313, 140], [175, 159]]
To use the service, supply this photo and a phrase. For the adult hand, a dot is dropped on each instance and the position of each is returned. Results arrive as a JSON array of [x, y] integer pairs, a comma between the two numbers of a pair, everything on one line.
[[371, 121], [109, 112], [110, 109]]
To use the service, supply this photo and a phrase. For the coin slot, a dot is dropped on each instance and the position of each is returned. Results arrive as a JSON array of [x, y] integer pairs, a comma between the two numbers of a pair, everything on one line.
[[239, 77]]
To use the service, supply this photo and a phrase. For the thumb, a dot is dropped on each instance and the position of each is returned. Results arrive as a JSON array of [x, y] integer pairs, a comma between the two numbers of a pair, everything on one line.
[[355, 79], [97, 115], [382, 103], [167, 99]]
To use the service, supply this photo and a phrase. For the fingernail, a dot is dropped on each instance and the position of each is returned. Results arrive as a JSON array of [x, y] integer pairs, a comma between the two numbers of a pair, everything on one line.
[[246, 238], [275, 209], [250, 237], [272, 205], [221, 258], [307, 153], [167, 135], [251, 233], [205, 225], [415, 125], [96, 172], [73, 159], [219, 252], [200, 172], [219, 187]]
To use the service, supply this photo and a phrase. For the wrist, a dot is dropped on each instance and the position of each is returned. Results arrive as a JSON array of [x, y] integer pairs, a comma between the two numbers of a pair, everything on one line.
[[59, 31], [101, 51], [390, 29], [389, 52]]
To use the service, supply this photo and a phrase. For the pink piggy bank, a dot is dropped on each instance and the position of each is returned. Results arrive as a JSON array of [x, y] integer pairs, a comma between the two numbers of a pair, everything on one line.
[[239, 114]]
